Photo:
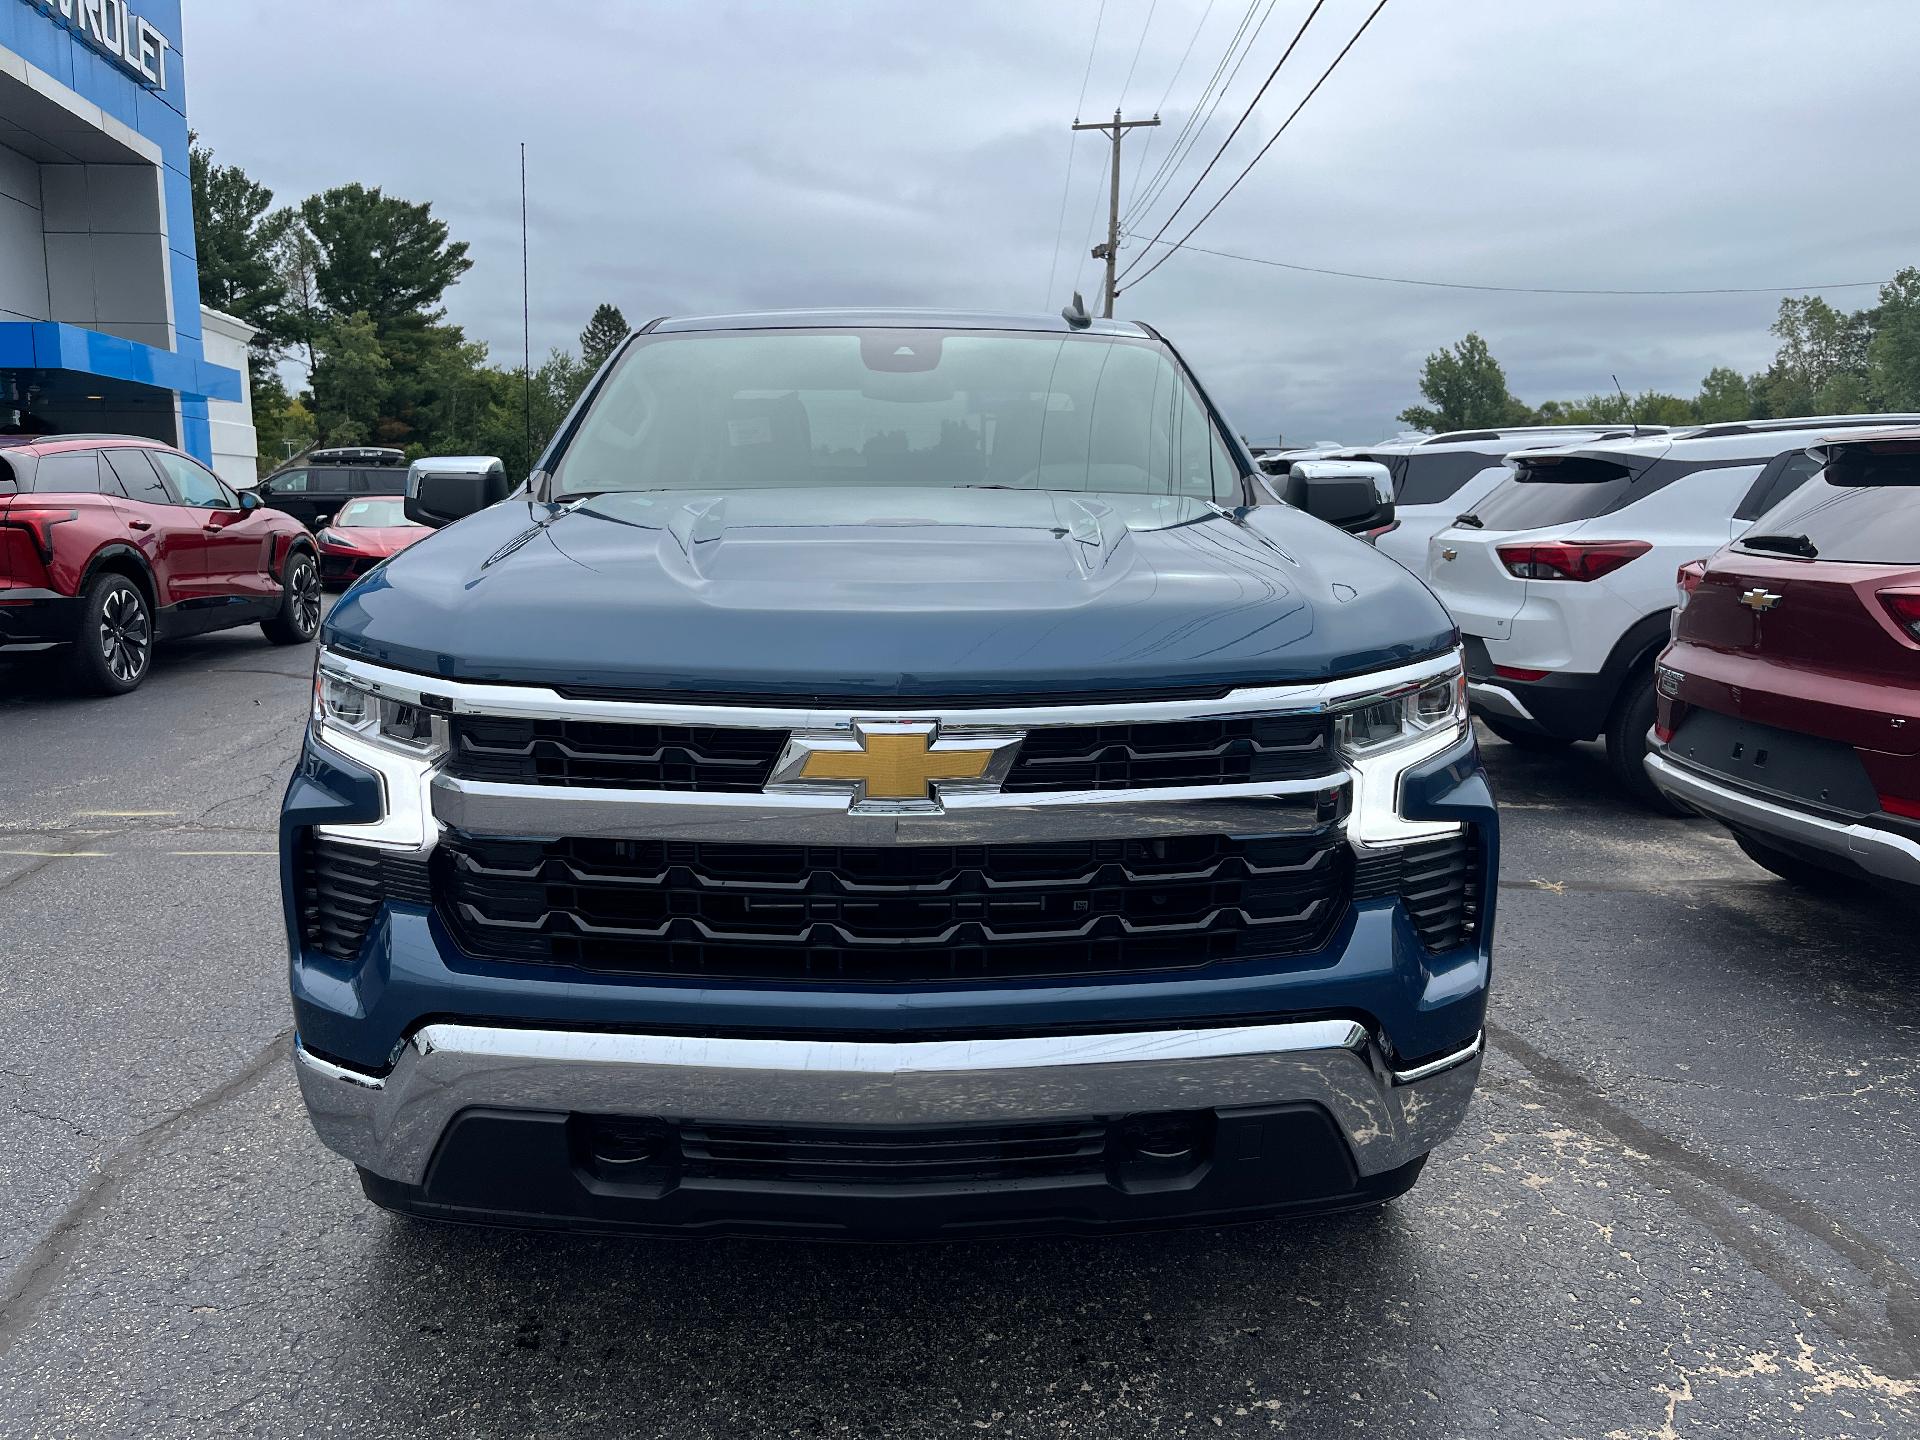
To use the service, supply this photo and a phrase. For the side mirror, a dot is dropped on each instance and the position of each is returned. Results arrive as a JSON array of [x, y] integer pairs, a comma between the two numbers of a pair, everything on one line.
[[324, 518], [1356, 495], [444, 488], [248, 501]]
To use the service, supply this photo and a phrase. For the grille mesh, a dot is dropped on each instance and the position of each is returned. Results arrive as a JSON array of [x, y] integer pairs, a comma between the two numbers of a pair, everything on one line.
[[892, 913], [584, 752]]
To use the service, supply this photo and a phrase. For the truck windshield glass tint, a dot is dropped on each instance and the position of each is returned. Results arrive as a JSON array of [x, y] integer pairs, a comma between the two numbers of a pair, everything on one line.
[[753, 410]]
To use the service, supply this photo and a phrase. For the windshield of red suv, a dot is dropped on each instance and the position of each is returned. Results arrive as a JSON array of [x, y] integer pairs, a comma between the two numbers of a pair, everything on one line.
[[780, 409]]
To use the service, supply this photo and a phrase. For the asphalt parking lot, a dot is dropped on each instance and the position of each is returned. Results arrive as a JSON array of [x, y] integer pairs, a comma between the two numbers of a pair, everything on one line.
[[1682, 1206]]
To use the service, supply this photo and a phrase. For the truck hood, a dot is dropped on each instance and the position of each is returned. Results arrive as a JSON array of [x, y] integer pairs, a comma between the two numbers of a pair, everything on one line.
[[873, 593]]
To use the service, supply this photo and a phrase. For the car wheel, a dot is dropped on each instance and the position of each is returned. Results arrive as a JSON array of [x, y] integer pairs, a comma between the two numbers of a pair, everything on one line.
[[115, 646], [1627, 731], [298, 620], [1520, 737], [1791, 868]]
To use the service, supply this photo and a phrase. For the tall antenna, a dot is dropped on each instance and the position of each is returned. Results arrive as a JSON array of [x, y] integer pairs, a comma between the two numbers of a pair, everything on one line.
[[1631, 418], [526, 313]]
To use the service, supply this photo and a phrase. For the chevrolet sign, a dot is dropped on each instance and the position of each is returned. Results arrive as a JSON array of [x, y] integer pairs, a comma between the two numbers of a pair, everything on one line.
[[116, 32]]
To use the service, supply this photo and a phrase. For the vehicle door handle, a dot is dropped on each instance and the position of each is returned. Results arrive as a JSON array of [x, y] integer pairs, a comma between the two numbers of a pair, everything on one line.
[[211, 529], [138, 525]]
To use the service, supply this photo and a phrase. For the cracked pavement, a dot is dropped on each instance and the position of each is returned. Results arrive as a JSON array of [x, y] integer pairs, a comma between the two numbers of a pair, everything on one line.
[[1681, 1206]]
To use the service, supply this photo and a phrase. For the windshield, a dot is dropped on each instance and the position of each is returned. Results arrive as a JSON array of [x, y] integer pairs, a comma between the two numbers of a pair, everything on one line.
[[786, 409], [372, 512]]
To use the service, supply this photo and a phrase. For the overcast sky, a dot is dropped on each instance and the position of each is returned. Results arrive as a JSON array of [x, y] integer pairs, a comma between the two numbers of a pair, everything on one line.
[[712, 156]]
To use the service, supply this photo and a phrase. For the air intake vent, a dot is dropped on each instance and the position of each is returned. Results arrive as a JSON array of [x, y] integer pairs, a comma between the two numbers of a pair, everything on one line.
[[1438, 881], [342, 887]]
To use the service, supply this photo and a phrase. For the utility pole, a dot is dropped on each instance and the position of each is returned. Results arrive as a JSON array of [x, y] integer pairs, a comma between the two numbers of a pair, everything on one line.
[[1110, 252]]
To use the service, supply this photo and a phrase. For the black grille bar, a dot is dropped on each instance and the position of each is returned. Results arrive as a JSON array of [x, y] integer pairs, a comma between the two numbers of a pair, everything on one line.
[[342, 887], [601, 753], [1164, 753], [1437, 880], [892, 913]]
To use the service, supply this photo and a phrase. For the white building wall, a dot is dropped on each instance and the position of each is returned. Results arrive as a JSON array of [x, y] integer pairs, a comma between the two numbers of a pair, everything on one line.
[[236, 447]]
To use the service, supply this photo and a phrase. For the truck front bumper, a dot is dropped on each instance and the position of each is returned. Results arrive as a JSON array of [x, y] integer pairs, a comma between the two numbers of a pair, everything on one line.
[[774, 1135]]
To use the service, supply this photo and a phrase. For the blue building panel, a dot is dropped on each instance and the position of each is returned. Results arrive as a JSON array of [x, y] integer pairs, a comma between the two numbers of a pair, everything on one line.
[[54, 45]]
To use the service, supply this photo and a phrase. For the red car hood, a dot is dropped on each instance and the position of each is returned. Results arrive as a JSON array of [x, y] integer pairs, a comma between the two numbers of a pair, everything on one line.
[[374, 539]]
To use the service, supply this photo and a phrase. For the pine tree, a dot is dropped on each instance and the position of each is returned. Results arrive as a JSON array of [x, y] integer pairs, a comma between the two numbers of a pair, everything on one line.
[[602, 337]]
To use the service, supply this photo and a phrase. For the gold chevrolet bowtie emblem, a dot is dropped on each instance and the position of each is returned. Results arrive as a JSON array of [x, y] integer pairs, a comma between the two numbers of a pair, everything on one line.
[[1758, 600], [889, 764]]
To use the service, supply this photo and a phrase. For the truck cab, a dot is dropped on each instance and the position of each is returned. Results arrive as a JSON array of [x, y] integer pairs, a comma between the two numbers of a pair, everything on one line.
[[888, 774]]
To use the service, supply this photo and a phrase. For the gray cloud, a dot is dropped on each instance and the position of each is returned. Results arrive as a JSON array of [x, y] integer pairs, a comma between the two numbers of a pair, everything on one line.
[[690, 157]]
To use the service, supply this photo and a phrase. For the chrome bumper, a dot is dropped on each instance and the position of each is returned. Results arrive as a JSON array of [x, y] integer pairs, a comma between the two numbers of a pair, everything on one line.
[[1878, 852], [391, 1124]]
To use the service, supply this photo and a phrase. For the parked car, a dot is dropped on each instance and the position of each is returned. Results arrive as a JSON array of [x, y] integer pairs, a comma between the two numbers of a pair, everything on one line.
[[915, 782], [1562, 577], [361, 534], [313, 489], [1789, 700], [111, 543], [1438, 477]]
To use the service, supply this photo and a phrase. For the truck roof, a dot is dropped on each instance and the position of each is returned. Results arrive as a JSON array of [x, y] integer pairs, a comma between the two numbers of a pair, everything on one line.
[[889, 319]]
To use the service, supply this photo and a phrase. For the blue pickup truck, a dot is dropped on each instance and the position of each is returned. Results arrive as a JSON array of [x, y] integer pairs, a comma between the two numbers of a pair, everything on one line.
[[888, 774]]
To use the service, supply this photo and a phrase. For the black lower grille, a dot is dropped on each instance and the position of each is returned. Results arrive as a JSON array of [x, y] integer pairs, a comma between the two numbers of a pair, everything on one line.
[[1188, 752], [584, 752], [898, 913], [906, 1157], [342, 887], [1437, 880]]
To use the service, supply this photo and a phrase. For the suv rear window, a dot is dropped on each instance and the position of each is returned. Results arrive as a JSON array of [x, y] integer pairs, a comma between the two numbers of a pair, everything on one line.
[[1429, 479], [1876, 523], [1558, 490]]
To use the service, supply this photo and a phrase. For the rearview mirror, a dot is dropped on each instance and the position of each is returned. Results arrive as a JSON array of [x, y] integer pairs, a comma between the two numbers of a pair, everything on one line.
[[1356, 495], [444, 488]]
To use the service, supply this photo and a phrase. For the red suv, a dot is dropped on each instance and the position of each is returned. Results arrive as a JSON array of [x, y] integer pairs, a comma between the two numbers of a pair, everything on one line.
[[1789, 700], [110, 542]]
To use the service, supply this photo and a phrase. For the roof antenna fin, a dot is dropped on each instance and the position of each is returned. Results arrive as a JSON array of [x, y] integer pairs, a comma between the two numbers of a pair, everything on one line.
[[1076, 314], [1631, 419]]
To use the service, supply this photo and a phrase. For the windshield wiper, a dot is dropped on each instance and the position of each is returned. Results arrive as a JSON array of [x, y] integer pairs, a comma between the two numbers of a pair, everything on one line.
[[1788, 544], [1472, 522]]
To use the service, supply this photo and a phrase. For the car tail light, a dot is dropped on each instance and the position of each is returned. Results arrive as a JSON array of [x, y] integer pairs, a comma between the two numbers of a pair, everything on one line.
[[1515, 672], [1570, 559], [1373, 535], [1904, 606], [38, 522], [1690, 577]]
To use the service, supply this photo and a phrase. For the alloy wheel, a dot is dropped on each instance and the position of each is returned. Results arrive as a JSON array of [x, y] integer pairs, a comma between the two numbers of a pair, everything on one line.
[[126, 634], [306, 596]]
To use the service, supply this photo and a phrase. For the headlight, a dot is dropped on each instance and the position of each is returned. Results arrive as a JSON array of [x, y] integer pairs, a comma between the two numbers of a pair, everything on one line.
[[346, 704], [329, 537], [1387, 722], [1381, 737]]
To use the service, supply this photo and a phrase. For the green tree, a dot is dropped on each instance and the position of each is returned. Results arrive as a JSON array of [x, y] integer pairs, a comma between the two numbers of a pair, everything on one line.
[[236, 231], [1724, 395], [1821, 365], [284, 425], [382, 257], [602, 337], [1465, 387], [296, 260], [350, 381], [1893, 355]]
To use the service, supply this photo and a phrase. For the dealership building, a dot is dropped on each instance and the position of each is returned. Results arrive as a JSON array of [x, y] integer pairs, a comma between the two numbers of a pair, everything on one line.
[[101, 326]]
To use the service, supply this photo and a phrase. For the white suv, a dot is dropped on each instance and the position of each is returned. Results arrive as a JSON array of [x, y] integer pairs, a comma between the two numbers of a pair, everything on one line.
[[1562, 578], [1436, 477]]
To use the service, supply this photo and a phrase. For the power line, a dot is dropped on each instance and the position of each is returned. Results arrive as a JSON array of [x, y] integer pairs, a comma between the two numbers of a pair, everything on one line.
[[1371, 15], [1073, 142], [1516, 289], [1133, 187], [1202, 112], [1245, 115], [1140, 45]]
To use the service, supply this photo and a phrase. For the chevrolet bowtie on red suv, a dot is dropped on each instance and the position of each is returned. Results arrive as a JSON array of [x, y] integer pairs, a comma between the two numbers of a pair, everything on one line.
[[109, 543], [1789, 700]]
